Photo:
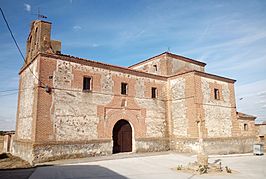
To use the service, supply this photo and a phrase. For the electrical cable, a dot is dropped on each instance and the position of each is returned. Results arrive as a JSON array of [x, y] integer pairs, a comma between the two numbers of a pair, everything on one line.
[[3, 91], [8, 94], [10, 31]]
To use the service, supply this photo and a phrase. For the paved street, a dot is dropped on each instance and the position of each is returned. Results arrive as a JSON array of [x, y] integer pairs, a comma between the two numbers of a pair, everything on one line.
[[159, 165]]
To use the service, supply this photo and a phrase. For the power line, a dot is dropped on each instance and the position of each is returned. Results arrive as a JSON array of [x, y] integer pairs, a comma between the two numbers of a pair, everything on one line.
[[12, 34], [9, 94], [24, 89], [103, 93], [3, 91], [21, 54]]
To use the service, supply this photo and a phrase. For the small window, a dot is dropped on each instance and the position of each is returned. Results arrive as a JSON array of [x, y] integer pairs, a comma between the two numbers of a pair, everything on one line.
[[155, 67], [216, 94], [35, 36], [87, 83], [29, 44], [153, 92], [124, 88], [245, 127], [261, 138]]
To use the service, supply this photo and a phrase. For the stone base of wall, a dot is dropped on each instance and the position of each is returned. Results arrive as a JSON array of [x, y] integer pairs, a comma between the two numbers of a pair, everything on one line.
[[66, 150], [22, 150], [229, 145], [152, 144], [44, 152]]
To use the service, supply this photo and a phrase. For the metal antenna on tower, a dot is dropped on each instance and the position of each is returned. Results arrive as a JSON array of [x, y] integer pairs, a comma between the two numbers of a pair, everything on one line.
[[39, 15]]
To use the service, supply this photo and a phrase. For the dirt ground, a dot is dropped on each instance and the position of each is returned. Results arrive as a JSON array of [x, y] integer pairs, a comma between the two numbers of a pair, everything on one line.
[[7, 161]]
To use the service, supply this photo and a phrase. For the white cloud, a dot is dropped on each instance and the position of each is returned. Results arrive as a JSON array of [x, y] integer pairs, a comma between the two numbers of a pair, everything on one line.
[[78, 44], [256, 88], [263, 93], [239, 42], [77, 27], [131, 35], [264, 106], [95, 45], [254, 99], [27, 7], [7, 124], [244, 66]]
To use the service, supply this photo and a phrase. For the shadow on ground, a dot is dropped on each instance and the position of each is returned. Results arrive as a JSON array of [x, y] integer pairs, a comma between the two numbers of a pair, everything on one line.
[[21, 173], [74, 171], [53, 172]]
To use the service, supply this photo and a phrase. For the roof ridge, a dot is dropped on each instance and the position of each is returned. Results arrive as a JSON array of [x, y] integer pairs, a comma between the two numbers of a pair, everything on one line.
[[190, 60], [245, 115]]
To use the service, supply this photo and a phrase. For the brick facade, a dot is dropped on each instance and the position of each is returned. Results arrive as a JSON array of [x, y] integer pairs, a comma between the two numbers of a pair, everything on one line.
[[61, 120]]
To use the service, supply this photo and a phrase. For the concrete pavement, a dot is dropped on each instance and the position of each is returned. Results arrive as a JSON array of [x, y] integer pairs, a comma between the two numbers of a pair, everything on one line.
[[157, 166]]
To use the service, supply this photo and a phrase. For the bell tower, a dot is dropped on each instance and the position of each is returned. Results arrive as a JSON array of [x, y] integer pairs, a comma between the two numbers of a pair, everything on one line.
[[39, 40]]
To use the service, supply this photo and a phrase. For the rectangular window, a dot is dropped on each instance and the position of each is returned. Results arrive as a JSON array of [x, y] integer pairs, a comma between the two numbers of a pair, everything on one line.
[[155, 67], [124, 88], [261, 138], [86, 83], [153, 92], [216, 94], [245, 127]]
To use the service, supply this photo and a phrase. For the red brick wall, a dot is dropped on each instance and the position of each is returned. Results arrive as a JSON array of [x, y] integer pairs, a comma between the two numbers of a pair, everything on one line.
[[44, 125]]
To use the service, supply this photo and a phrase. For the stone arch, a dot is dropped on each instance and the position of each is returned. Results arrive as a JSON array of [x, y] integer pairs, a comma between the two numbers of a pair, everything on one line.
[[105, 126]]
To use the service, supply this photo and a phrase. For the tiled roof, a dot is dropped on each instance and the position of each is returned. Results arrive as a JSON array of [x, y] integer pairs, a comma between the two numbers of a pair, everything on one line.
[[123, 69], [179, 57], [242, 115]]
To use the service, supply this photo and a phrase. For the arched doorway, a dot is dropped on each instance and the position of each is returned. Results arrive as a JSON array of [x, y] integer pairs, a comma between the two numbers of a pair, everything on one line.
[[122, 137]]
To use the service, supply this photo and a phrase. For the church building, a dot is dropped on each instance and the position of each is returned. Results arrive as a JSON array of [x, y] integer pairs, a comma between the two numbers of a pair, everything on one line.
[[72, 107]]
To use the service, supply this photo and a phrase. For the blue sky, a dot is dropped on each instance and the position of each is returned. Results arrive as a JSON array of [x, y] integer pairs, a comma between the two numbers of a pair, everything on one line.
[[230, 36]]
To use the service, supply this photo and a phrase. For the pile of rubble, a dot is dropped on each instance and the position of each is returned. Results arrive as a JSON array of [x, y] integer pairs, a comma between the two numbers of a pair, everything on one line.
[[202, 166]]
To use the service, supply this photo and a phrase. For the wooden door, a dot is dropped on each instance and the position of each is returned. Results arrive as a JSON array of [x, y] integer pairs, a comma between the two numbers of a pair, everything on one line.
[[122, 137]]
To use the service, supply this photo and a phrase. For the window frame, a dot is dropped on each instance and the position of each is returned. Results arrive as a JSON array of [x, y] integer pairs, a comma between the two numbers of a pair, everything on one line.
[[90, 84], [124, 88], [154, 93], [216, 94], [245, 127], [155, 67]]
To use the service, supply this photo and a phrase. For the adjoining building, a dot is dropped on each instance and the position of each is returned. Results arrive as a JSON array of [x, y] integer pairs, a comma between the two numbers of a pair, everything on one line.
[[262, 133], [6, 141], [73, 107], [247, 124]]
